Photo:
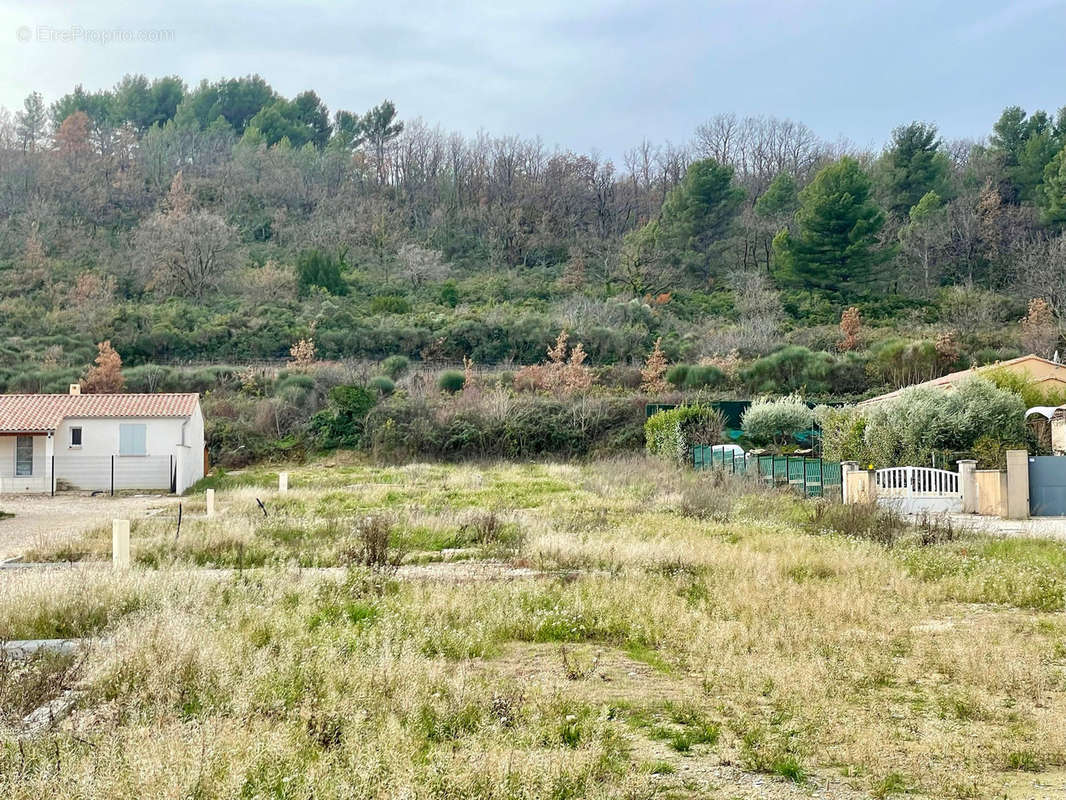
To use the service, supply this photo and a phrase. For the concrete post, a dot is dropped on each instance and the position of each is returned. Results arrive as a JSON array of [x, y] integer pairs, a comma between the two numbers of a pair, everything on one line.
[[1017, 484], [283, 482], [120, 544], [968, 485], [179, 470], [210, 494]]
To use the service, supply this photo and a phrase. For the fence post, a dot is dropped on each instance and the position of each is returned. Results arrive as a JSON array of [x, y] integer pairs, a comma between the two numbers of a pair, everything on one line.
[[283, 482], [805, 492], [120, 543], [53, 476], [112, 476], [1017, 484], [210, 502], [968, 485]]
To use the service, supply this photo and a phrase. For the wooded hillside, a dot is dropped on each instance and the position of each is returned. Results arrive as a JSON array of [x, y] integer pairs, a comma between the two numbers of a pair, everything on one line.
[[223, 222]]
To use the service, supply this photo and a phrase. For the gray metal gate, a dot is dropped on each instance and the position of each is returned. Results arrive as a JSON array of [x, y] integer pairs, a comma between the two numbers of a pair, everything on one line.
[[1047, 486]]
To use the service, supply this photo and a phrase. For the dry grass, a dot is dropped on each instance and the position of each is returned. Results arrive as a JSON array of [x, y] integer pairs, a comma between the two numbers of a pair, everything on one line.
[[684, 647]]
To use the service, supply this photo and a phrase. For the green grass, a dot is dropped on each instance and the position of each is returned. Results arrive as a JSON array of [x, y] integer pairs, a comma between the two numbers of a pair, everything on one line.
[[745, 641]]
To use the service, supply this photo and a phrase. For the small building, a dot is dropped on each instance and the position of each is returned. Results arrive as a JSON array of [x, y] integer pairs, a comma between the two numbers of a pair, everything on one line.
[[1040, 371], [100, 442]]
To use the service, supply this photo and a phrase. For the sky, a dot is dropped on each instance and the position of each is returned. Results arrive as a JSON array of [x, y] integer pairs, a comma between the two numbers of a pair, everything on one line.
[[594, 76]]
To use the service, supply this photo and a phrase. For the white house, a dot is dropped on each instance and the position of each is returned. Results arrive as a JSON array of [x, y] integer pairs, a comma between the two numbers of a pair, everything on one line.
[[100, 442]]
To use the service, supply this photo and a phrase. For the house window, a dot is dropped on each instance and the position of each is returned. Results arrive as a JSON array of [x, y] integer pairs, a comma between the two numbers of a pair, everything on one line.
[[132, 439], [75, 437], [23, 456]]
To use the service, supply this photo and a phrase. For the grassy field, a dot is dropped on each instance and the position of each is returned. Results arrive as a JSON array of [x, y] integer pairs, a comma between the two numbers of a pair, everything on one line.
[[613, 630]]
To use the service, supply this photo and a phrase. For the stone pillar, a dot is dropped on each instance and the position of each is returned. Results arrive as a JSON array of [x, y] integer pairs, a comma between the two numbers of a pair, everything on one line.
[[120, 543], [968, 485], [210, 496], [1017, 484], [283, 482], [859, 484]]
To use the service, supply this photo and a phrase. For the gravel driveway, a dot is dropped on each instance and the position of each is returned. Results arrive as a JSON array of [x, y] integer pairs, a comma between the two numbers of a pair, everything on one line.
[[1039, 527], [41, 518]]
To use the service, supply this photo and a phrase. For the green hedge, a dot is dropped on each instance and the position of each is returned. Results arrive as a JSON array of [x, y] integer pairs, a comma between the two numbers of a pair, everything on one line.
[[401, 428], [671, 434]]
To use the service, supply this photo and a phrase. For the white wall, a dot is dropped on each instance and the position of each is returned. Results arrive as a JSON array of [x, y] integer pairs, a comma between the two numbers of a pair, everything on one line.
[[38, 482], [191, 454], [89, 467]]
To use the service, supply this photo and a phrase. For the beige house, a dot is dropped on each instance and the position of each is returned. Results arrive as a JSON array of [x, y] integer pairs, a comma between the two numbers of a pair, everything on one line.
[[1039, 370]]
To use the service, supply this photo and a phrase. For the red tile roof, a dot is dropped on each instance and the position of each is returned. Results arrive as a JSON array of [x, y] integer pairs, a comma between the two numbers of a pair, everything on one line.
[[38, 413]]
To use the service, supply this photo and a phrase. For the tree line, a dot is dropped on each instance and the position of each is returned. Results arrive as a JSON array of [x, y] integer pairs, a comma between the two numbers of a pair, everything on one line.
[[222, 220]]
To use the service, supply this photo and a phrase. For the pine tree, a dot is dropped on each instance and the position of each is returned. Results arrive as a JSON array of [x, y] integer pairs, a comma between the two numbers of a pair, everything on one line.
[[912, 167], [780, 198], [1054, 194], [835, 248], [30, 122], [698, 214]]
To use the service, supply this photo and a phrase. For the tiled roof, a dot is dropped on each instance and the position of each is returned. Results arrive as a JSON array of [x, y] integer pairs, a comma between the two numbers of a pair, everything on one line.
[[36, 413], [953, 378]]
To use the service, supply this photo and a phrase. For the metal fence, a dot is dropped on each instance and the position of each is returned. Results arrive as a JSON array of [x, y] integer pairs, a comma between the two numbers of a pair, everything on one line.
[[113, 473], [814, 477]]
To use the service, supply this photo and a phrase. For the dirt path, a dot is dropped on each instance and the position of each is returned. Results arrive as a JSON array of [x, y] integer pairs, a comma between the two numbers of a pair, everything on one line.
[[40, 519]]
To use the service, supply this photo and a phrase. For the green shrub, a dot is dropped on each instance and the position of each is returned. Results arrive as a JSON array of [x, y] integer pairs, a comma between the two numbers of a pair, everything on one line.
[[703, 377], [677, 374], [452, 381], [294, 381], [401, 428], [315, 269], [341, 423], [843, 433], [921, 422], [382, 384], [449, 294], [395, 366], [1031, 392], [776, 422], [390, 304], [694, 376], [672, 434], [899, 362], [797, 369]]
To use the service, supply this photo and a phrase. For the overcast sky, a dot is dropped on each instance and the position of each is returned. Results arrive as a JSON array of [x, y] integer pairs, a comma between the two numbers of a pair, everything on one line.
[[597, 75]]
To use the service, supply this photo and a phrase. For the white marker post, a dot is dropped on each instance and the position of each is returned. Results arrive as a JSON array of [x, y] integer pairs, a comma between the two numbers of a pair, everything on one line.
[[210, 502], [120, 544], [283, 482]]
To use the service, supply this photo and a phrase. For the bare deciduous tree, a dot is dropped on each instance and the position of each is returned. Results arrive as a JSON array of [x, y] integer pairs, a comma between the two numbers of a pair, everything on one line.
[[420, 265], [185, 255]]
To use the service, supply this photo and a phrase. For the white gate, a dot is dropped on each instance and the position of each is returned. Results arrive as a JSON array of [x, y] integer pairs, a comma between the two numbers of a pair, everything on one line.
[[916, 489]]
